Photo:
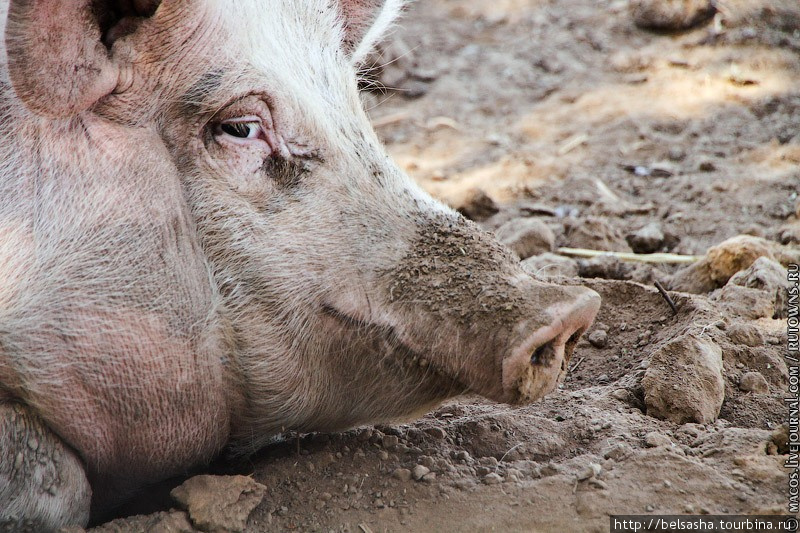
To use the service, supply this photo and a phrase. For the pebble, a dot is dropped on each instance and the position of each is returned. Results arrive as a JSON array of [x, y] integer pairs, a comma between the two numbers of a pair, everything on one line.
[[419, 472], [429, 477], [598, 338], [436, 433], [483, 470], [390, 441], [654, 439], [753, 382], [592, 470], [620, 394], [403, 474], [647, 240], [527, 237], [617, 451], [492, 479], [462, 455], [477, 205], [383, 455]]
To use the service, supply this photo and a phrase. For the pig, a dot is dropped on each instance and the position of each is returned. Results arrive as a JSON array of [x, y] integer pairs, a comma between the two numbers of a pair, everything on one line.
[[203, 244]]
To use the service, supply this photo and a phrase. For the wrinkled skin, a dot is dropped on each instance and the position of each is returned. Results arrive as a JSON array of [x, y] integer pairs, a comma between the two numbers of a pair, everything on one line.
[[203, 244]]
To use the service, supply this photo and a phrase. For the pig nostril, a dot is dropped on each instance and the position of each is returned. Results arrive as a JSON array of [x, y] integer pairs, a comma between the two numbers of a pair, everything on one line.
[[542, 354]]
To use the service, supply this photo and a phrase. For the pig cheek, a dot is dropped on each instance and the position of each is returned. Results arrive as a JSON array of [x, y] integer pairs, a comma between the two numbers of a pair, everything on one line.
[[241, 168]]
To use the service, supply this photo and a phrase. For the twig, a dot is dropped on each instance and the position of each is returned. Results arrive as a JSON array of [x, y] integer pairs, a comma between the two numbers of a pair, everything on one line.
[[574, 368], [390, 119], [638, 258], [666, 296]]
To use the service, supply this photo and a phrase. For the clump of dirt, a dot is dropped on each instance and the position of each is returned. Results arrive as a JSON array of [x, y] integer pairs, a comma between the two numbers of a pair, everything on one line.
[[567, 112]]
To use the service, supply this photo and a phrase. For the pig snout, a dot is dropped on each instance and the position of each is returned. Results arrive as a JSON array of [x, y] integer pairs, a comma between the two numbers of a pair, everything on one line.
[[535, 366], [461, 301]]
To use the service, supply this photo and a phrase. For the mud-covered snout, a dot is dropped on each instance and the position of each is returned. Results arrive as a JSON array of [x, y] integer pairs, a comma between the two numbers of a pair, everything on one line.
[[535, 366]]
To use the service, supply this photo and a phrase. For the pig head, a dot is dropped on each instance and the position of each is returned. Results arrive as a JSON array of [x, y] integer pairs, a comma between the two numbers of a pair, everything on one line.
[[203, 243]]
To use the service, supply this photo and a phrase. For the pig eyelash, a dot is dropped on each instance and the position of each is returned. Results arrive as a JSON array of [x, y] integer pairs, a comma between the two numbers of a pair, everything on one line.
[[240, 129]]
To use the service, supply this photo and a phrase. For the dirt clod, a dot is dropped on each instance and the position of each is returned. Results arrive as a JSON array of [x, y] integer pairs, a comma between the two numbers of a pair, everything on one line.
[[754, 382], [549, 266], [527, 237], [648, 239], [672, 15], [218, 504], [684, 382]]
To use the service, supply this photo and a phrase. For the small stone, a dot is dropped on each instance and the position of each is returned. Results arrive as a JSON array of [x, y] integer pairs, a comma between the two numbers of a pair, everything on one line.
[[548, 265], [647, 240], [598, 338], [462, 455], [436, 433], [383, 455], [483, 470], [654, 439], [403, 474], [492, 479], [754, 382], [621, 395], [746, 334], [419, 472], [430, 477], [325, 496], [592, 470], [617, 451], [477, 205], [527, 236], [389, 441]]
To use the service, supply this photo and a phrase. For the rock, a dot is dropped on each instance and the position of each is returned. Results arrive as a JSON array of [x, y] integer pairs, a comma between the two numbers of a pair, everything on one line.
[[477, 205], [390, 441], [548, 265], [735, 255], [723, 261], [769, 276], [780, 438], [598, 338], [617, 452], [526, 237], [219, 503], [419, 472], [430, 477], [654, 439], [595, 234], [161, 522], [592, 470], [436, 433], [621, 394], [670, 15], [684, 381], [744, 302], [746, 334], [647, 240], [754, 382], [492, 479], [403, 474], [462, 455]]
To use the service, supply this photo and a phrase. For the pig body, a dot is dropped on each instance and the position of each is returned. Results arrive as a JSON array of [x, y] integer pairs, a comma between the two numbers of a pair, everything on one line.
[[203, 244]]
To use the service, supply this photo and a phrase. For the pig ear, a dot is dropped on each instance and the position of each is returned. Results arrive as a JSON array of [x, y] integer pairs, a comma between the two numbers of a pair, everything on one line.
[[365, 22], [57, 62]]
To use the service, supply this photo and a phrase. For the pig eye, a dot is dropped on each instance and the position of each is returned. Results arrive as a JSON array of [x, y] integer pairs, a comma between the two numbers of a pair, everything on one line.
[[240, 128]]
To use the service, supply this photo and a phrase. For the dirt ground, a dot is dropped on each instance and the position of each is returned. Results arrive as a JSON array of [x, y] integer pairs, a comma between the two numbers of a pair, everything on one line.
[[613, 137]]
